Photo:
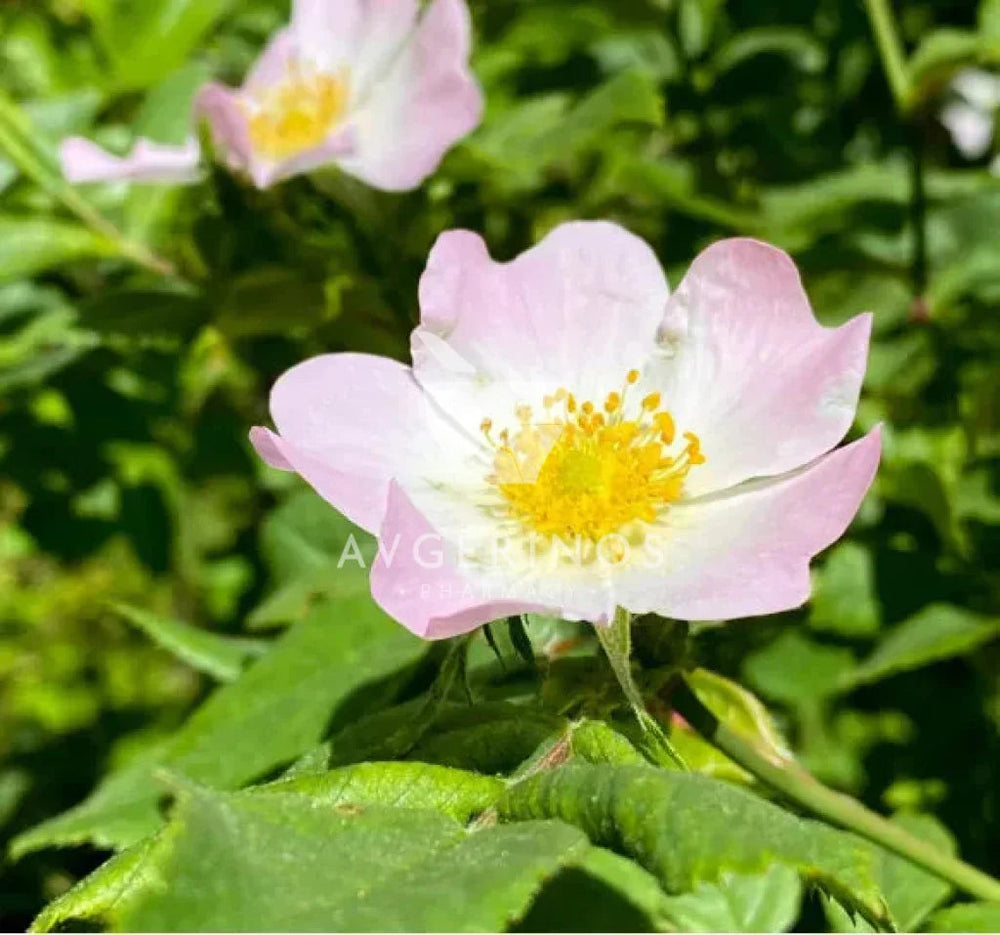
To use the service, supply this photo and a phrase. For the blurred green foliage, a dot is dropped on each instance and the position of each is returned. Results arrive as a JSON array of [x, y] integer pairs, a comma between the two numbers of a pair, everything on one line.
[[126, 394]]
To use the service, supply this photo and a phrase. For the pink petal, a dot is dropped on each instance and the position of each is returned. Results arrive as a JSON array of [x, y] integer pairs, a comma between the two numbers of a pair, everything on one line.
[[269, 447], [411, 116], [745, 365], [350, 423], [274, 63], [326, 31], [746, 552], [417, 582], [224, 111], [578, 310], [84, 161]]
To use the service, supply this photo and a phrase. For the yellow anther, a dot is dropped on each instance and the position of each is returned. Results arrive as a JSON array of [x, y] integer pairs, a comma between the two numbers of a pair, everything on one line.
[[297, 114], [633, 377], [485, 426], [665, 426], [584, 473]]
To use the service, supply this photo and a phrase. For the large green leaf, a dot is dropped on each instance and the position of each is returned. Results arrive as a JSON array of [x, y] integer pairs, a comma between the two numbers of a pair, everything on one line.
[[940, 631], [277, 710], [287, 862], [687, 829]]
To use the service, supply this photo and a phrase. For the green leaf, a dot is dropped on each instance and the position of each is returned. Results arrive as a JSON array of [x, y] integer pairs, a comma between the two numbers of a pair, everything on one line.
[[457, 793], [966, 917], [764, 902], [312, 552], [146, 41], [290, 863], [94, 897], [796, 670], [739, 710], [141, 314], [687, 829], [544, 133], [222, 657], [800, 47], [910, 893], [488, 738], [278, 709], [31, 245], [844, 599], [602, 892], [598, 742], [940, 631], [271, 300]]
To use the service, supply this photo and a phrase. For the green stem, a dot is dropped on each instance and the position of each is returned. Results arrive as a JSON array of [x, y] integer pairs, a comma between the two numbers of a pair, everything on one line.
[[616, 641], [918, 213], [805, 790], [890, 48]]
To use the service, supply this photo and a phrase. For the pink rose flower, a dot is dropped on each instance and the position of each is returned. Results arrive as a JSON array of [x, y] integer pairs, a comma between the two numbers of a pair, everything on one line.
[[372, 86], [572, 438], [375, 87]]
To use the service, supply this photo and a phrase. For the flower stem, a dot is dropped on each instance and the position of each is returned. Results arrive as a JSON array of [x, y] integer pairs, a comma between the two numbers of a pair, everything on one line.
[[890, 48], [805, 790], [616, 641]]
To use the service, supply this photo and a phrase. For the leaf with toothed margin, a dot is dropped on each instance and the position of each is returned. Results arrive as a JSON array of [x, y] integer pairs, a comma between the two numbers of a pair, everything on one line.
[[252, 862], [687, 829]]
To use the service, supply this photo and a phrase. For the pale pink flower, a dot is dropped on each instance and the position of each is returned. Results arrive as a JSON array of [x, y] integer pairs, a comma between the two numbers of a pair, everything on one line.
[[84, 161], [572, 438], [373, 86]]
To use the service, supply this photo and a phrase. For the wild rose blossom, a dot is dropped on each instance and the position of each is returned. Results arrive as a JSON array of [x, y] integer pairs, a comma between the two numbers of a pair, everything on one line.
[[572, 438], [373, 86]]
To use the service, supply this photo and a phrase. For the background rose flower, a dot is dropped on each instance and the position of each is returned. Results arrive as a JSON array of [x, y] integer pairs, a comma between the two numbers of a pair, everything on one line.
[[568, 394], [374, 86], [378, 88]]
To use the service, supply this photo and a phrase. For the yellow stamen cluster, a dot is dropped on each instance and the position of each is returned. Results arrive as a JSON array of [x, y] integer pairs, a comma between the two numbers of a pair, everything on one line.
[[588, 473], [298, 113]]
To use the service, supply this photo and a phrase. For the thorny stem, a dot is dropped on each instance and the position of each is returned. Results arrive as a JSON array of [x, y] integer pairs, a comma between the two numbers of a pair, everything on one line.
[[803, 789]]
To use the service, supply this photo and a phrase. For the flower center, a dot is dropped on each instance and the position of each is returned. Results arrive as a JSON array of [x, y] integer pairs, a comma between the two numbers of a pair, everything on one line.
[[581, 472], [298, 113]]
